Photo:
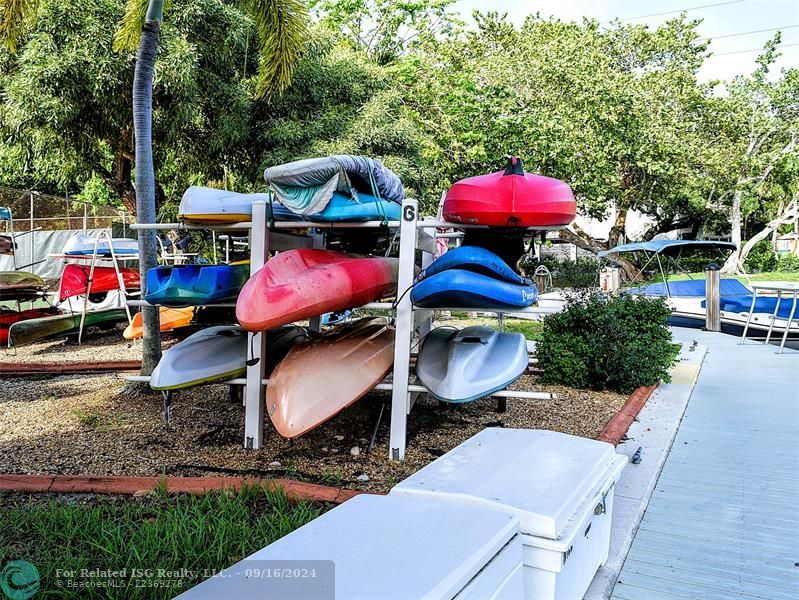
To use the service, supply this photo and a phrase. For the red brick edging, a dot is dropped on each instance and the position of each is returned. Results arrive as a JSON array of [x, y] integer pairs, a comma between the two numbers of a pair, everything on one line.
[[114, 484], [619, 424], [15, 369]]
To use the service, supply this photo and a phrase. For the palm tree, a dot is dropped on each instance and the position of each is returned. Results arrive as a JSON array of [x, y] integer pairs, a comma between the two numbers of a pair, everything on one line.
[[281, 27]]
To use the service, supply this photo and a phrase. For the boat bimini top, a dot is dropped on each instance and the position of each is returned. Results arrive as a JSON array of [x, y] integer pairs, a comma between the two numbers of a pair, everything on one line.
[[671, 251]]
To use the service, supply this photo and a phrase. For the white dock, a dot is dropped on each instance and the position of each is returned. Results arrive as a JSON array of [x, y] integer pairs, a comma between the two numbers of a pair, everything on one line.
[[723, 519]]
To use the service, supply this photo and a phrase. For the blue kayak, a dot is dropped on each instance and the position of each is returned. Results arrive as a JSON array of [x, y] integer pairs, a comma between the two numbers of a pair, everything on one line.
[[458, 288], [342, 208], [193, 285], [477, 260]]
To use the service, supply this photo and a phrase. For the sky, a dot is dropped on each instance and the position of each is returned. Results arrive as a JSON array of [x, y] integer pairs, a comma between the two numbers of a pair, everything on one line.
[[728, 18]]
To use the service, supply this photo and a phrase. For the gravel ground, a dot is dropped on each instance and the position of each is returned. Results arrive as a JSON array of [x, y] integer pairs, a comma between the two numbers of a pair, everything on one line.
[[96, 425]]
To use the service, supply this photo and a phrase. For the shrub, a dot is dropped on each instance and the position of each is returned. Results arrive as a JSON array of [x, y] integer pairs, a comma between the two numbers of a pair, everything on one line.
[[761, 258], [580, 274], [788, 263], [617, 344]]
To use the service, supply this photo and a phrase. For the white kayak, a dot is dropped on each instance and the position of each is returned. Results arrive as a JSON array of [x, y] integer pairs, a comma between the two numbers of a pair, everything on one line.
[[461, 366], [82, 245], [210, 205], [217, 354]]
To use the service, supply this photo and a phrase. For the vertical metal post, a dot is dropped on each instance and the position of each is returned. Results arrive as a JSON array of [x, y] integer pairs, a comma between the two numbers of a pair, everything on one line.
[[256, 342], [32, 244], [315, 323], [400, 399], [85, 218], [713, 297]]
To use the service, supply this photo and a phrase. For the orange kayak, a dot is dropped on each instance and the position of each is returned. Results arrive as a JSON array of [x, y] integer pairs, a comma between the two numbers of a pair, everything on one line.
[[304, 283], [171, 318], [316, 381]]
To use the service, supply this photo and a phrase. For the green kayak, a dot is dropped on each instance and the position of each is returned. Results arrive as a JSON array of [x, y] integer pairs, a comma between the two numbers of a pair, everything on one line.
[[33, 330], [20, 285]]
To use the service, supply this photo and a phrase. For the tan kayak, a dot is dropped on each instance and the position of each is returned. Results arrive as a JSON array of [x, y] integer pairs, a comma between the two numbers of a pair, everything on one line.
[[316, 381]]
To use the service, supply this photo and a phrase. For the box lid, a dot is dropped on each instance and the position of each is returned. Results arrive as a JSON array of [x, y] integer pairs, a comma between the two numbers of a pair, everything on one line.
[[541, 477], [383, 547]]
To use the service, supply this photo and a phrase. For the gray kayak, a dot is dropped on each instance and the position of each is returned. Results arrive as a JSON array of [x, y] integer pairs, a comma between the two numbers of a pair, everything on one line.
[[461, 366], [217, 354]]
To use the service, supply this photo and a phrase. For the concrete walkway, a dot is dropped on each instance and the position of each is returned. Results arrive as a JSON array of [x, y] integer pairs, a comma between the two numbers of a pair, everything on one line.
[[723, 521]]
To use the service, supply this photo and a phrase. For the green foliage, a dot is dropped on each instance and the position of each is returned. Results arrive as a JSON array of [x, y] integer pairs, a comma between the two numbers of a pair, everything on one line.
[[199, 534], [761, 258], [580, 274], [788, 263], [617, 344]]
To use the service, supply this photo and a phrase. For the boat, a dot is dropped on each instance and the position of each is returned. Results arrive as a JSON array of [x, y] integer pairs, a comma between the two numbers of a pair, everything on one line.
[[511, 198], [686, 298], [303, 283], [169, 318], [34, 330], [216, 354], [472, 277], [345, 364], [84, 245], [7, 245], [343, 209], [95, 302], [209, 205], [307, 186], [8, 317], [192, 285], [75, 279], [20, 285], [461, 366]]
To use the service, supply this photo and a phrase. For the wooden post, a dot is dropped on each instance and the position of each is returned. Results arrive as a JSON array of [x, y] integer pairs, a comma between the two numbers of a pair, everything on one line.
[[713, 297]]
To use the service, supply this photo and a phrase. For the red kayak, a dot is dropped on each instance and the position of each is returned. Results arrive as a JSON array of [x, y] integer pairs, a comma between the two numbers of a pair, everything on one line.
[[511, 198], [304, 283], [8, 317], [75, 280]]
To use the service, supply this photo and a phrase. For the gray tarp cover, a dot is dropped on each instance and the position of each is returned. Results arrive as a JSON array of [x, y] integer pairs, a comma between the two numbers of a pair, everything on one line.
[[306, 186]]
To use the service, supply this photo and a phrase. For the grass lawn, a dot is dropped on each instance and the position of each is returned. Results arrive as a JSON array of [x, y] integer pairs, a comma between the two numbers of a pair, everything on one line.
[[198, 534], [531, 329]]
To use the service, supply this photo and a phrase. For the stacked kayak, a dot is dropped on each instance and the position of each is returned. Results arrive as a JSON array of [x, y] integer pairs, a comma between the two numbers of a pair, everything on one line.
[[20, 285], [303, 283], [75, 280], [33, 330], [472, 277], [217, 354], [342, 208], [511, 198], [169, 318], [83, 245], [345, 364], [9, 317], [460, 366], [7, 245], [191, 285], [210, 205]]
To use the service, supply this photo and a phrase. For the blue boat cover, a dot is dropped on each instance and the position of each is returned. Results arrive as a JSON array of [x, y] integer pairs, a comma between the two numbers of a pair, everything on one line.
[[741, 304], [691, 287], [458, 288], [193, 285], [342, 208], [477, 260], [671, 247], [5, 213], [307, 186]]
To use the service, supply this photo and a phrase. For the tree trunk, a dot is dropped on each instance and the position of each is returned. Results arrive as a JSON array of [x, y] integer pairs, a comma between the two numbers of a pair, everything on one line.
[[734, 263], [145, 183]]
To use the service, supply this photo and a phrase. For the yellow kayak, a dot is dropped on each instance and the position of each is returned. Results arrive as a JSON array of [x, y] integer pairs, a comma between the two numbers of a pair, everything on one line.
[[171, 318]]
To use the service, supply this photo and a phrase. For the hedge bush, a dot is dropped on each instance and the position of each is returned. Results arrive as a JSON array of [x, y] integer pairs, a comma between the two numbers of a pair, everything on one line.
[[761, 258], [617, 344]]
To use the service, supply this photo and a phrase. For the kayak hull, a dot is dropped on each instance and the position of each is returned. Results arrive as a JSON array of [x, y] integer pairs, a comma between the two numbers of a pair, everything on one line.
[[192, 285], [342, 208], [304, 283], [34, 330], [169, 318], [82, 245], [461, 366], [474, 259], [511, 198], [297, 402], [209, 205], [9, 317], [75, 280], [458, 288], [216, 354]]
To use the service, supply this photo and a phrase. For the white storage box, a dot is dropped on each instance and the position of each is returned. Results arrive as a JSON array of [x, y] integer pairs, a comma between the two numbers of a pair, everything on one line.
[[559, 486], [385, 548]]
